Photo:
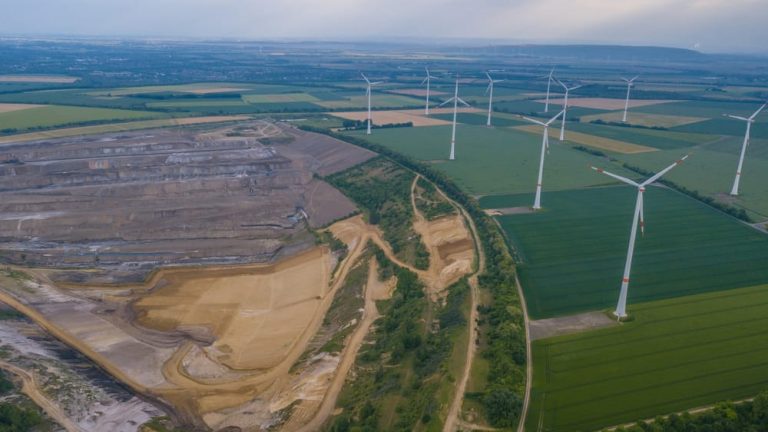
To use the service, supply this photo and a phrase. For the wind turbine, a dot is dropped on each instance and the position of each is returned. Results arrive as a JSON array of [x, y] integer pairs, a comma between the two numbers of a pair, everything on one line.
[[565, 106], [455, 99], [426, 80], [368, 93], [749, 120], [544, 147], [489, 91], [630, 83], [621, 307], [549, 78]]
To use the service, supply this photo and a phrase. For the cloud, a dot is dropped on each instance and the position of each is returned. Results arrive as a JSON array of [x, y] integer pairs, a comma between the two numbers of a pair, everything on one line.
[[716, 24]]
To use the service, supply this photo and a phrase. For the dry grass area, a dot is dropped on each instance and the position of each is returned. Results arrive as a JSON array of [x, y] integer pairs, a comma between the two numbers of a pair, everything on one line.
[[52, 79], [10, 107], [416, 117], [117, 127], [591, 140], [604, 103], [643, 119]]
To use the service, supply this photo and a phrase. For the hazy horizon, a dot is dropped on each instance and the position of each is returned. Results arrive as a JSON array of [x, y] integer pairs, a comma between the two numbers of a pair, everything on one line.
[[706, 25]]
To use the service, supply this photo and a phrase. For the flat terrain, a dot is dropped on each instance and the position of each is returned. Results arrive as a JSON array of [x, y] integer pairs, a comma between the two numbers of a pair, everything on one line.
[[54, 115], [677, 354], [116, 127], [644, 119], [491, 160], [604, 103], [573, 252], [57, 79], [596, 142]]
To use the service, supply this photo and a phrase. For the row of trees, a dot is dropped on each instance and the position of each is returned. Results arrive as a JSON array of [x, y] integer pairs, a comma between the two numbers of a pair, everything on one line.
[[506, 345], [749, 416]]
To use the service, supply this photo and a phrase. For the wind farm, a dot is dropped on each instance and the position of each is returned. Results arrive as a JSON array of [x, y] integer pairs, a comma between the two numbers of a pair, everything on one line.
[[275, 240]]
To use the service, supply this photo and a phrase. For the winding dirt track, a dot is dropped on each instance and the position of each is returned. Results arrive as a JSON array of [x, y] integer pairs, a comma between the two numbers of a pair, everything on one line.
[[30, 388], [458, 397], [370, 314]]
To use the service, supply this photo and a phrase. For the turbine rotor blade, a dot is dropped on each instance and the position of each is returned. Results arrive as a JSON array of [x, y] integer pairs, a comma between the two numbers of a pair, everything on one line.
[[737, 117], [555, 117], [449, 100], [752, 117], [462, 101], [664, 171], [535, 121], [365, 78], [617, 177]]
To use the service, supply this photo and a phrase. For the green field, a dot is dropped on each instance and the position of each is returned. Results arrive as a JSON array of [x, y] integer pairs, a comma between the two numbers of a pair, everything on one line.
[[677, 354], [53, 115], [491, 160], [573, 252], [480, 119], [660, 139], [378, 100], [718, 160]]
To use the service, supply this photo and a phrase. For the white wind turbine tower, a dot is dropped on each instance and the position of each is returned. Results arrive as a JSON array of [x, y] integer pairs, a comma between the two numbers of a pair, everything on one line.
[[489, 91], [427, 80], [621, 307], [368, 93], [565, 107], [455, 99], [549, 78], [749, 120], [544, 148], [630, 83]]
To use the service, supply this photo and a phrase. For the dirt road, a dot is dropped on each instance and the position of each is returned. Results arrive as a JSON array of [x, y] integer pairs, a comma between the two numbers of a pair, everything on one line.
[[370, 314], [458, 397], [30, 388]]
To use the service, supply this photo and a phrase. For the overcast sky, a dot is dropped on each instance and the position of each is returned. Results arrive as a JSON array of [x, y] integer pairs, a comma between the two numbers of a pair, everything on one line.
[[710, 25]]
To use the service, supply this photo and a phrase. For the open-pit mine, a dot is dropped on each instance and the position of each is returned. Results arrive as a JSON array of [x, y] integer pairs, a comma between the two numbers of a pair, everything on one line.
[[188, 264]]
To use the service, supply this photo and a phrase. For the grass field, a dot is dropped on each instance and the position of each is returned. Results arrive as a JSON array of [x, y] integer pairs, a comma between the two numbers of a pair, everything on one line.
[[117, 127], [574, 251], [677, 354], [491, 160], [658, 139], [718, 160], [480, 119], [378, 100], [644, 119], [594, 141], [53, 115], [279, 97], [704, 109]]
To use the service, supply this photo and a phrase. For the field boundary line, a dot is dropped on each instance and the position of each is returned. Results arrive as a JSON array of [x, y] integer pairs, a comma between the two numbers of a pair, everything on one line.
[[696, 410], [528, 358]]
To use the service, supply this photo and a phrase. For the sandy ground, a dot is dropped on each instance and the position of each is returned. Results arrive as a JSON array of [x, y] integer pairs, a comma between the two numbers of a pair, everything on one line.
[[116, 127], [10, 107], [643, 119], [268, 307], [375, 289], [550, 327], [30, 388], [450, 246], [508, 211], [38, 79], [416, 117], [604, 103], [591, 140]]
